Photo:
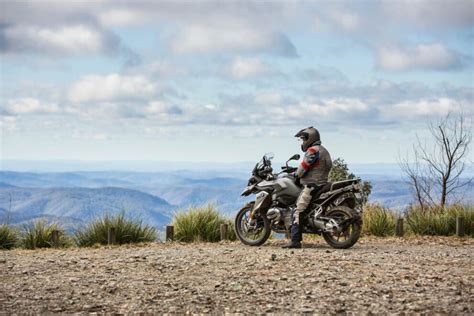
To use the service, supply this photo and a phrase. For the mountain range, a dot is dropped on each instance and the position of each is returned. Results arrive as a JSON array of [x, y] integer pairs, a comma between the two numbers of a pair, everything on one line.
[[75, 198]]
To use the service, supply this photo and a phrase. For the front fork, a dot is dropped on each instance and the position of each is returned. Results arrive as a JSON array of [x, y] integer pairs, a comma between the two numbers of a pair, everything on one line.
[[260, 199]]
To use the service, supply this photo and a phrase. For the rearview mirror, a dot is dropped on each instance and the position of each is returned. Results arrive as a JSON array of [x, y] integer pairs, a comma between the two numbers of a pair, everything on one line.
[[295, 157]]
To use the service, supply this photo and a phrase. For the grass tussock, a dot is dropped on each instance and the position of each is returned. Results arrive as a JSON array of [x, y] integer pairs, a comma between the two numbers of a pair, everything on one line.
[[439, 221], [39, 235], [201, 224], [8, 237], [127, 230], [378, 220]]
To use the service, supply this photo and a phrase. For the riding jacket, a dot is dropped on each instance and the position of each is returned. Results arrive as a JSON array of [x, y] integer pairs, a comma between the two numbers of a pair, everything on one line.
[[315, 167]]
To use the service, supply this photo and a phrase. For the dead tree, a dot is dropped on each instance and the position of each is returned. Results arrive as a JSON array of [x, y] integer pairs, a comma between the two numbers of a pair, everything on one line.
[[438, 165]]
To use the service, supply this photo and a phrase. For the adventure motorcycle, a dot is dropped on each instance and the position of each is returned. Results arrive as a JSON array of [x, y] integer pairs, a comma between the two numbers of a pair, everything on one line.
[[333, 212]]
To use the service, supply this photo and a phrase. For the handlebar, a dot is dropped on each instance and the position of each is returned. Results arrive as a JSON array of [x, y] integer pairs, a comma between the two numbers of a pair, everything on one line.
[[288, 169]]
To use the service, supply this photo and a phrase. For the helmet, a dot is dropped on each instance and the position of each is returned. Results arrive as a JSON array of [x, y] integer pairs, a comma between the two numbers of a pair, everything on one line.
[[310, 136]]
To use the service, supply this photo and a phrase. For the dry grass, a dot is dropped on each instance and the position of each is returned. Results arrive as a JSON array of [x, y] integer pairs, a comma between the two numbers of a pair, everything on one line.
[[202, 223]]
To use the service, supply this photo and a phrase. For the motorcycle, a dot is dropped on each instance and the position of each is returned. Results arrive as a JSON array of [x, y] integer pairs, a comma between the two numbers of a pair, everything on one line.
[[334, 211]]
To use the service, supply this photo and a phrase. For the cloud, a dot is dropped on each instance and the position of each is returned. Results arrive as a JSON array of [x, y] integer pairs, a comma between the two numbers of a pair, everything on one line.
[[116, 97], [210, 27], [205, 39], [52, 29], [269, 99], [123, 17], [8, 123], [243, 68], [23, 106], [108, 111], [384, 19], [160, 107], [429, 13], [321, 74], [336, 18], [61, 40], [163, 69], [100, 136], [434, 56], [84, 134], [325, 110], [346, 20], [111, 87], [424, 107]]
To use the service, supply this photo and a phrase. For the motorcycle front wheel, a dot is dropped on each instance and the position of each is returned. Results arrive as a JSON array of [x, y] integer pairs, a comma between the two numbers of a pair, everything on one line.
[[347, 237], [252, 232]]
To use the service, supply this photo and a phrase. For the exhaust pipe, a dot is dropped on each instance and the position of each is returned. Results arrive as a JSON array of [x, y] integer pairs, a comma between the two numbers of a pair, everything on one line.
[[319, 224]]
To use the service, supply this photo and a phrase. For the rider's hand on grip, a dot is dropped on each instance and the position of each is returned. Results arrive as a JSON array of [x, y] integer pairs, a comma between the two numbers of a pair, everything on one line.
[[297, 180]]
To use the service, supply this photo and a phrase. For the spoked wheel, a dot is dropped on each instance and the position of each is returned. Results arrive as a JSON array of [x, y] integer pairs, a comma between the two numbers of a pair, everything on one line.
[[251, 232], [348, 236]]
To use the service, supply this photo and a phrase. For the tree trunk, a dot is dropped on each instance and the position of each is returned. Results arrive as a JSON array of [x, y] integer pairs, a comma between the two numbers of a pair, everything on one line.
[[443, 193]]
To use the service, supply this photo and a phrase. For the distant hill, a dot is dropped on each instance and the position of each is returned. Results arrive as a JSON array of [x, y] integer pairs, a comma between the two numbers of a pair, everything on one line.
[[62, 179], [200, 191], [79, 205], [74, 198], [180, 188], [6, 185]]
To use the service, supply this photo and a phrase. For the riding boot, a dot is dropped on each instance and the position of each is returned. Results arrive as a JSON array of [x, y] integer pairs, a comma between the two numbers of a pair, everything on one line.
[[296, 236]]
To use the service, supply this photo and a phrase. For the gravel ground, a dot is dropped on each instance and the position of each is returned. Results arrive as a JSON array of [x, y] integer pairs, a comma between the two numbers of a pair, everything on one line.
[[422, 275]]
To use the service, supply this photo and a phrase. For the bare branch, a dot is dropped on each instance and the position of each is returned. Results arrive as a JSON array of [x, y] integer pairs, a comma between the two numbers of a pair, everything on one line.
[[442, 163]]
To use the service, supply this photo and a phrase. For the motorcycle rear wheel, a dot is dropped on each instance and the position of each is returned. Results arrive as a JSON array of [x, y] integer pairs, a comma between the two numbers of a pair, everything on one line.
[[261, 231], [350, 235]]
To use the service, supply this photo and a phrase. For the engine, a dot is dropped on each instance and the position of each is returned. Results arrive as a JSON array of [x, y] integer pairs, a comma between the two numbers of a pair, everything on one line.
[[280, 215]]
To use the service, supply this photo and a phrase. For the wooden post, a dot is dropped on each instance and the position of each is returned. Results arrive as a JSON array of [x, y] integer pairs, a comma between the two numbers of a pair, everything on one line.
[[55, 238], [111, 237], [169, 233], [399, 228], [224, 232], [460, 226]]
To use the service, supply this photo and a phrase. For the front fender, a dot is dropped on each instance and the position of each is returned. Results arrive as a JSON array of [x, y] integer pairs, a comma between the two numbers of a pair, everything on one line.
[[248, 190]]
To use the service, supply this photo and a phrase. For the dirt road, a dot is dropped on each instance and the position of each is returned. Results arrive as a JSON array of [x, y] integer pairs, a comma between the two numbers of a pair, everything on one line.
[[377, 275]]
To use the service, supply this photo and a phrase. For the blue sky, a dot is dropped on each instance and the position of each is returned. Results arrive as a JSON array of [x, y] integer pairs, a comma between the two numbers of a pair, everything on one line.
[[229, 80]]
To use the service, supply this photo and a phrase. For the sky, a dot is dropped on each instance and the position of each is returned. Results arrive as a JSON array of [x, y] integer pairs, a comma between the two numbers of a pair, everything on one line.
[[228, 81]]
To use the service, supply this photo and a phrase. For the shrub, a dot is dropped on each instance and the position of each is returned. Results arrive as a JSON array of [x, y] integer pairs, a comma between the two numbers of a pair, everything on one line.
[[439, 221], [127, 231], [39, 235], [201, 224], [8, 237], [378, 220]]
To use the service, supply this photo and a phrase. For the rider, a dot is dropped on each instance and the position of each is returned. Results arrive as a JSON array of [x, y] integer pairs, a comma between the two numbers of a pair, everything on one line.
[[313, 174]]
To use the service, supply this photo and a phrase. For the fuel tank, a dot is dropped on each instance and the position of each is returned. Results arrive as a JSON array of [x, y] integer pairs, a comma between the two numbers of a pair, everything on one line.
[[284, 189]]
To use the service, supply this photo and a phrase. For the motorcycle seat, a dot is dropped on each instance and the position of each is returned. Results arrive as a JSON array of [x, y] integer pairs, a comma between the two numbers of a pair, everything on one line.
[[341, 184], [333, 186]]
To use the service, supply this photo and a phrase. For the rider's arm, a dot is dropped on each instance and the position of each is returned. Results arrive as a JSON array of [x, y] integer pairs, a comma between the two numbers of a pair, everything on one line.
[[311, 159]]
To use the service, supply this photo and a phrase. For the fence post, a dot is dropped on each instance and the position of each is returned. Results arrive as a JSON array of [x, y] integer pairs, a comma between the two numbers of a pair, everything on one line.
[[399, 228], [460, 226], [111, 236], [224, 232], [55, 238], [169, 233]]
